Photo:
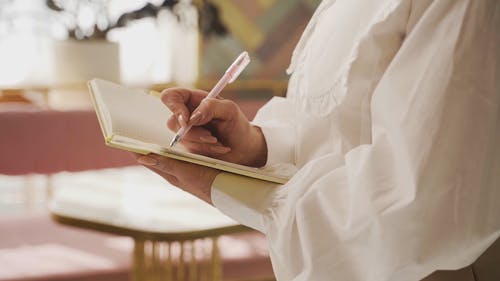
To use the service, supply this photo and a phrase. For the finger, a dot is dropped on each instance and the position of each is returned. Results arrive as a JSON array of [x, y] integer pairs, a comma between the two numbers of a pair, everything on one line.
[[170, 178], [195, 134], [210, 109], [146, 160], [173, 124], [161, 163], [182, 120], [182, 101], [176, 99], [212, 150], [168, 168], [189, 97], [199, 135]]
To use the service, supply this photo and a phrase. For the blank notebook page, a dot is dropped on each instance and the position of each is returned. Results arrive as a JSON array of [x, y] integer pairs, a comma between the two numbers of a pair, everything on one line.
[[135, 114]]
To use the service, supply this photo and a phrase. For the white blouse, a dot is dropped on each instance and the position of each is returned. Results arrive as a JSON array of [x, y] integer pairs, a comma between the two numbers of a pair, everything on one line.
[[392, 118]]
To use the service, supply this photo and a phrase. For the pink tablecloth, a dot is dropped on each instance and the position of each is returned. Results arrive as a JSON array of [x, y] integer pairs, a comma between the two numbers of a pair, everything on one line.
[[49, 141]]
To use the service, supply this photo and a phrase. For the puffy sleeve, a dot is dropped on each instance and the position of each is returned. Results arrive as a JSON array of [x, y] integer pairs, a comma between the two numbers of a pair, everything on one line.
[[276, 119], [423, 195], [244, 199]]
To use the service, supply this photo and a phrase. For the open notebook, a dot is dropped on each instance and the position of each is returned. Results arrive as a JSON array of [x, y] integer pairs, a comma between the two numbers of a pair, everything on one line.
[[134, 120]]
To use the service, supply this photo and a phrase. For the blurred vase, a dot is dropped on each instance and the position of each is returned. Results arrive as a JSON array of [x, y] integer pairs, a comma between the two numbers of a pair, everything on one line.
[[79, 61], [75, 63], [185, 64]]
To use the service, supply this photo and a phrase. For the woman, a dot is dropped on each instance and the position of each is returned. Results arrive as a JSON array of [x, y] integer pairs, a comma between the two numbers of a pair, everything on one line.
[[392, 119]]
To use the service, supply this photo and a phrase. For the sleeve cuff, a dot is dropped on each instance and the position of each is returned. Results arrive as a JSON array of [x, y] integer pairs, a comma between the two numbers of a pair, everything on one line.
[[274, 119], [242, 198]]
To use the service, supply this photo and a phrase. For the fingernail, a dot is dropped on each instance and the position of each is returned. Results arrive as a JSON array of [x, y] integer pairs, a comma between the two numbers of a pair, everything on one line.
[[208, 139], [148, 161], [182, 121], [220, 149], [195, 117]]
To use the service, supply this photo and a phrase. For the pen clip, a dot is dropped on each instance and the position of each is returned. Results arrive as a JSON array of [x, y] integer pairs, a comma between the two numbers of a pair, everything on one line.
[[238, 66]]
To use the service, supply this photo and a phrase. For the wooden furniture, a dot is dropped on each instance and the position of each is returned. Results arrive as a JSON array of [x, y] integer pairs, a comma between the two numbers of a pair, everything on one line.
[[48, 142], [176, 236]]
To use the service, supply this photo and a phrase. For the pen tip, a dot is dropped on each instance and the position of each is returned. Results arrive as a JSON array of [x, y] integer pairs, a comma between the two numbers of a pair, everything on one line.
[[174, 141]]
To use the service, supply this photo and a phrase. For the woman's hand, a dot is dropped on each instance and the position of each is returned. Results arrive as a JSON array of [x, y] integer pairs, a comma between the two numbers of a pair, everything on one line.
[[220, 129], [191, 178]]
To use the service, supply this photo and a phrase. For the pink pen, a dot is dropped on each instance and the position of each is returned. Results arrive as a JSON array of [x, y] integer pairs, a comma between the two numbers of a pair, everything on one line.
[[229, 76]]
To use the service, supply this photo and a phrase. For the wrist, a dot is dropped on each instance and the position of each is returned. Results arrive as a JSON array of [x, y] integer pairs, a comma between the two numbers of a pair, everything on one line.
[[258, 147]]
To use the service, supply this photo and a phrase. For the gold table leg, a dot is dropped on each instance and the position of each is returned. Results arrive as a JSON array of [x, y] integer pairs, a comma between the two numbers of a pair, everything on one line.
[[216, 262], [152, 261], [139, 272]]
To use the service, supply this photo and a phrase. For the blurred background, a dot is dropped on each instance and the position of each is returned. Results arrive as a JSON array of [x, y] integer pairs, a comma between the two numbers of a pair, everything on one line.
[[73, 209], [51, 45]]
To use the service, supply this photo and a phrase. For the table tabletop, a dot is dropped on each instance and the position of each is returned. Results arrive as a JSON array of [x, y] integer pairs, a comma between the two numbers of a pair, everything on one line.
[[134, 201]]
